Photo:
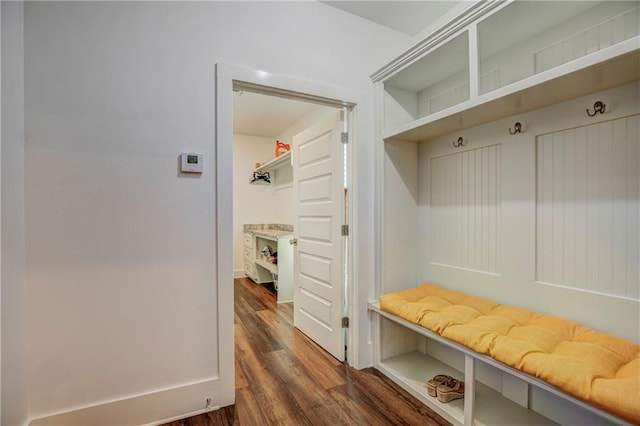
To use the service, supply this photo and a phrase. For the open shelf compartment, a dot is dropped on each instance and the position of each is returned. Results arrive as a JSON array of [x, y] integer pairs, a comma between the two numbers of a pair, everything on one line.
[[437, 81], [526, 38], [521, 56], [412, 370]]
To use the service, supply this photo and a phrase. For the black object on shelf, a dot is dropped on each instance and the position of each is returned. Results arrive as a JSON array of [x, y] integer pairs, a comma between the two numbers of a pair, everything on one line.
[[260, 178]]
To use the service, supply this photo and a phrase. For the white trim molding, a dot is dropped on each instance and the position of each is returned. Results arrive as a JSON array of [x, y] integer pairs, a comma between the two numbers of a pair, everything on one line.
[[142, 409], [229, 77], [473, 13]]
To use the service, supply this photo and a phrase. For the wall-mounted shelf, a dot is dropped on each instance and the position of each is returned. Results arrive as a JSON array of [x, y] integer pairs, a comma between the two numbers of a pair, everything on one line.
[[279, 162]]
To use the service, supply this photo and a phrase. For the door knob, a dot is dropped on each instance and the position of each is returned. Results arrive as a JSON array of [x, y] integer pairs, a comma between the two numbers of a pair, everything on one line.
[[293, 241]]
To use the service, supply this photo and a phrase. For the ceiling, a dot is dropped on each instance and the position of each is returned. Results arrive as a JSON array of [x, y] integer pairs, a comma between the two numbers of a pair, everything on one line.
[[261, 115], [409, 17]]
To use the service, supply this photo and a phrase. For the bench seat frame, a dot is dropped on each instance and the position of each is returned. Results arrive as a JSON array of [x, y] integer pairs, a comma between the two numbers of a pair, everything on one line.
[[470, 358]]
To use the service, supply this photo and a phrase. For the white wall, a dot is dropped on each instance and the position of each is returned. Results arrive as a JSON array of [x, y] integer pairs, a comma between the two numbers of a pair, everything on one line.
[[120, 248], [14, 369], [251, 203]]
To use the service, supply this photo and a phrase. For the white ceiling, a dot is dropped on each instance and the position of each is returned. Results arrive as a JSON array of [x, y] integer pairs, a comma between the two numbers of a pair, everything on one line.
[[261, 115], [409, 17]]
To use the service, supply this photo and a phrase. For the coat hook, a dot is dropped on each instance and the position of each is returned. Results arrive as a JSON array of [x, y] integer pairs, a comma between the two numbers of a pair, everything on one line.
[[459, 142], [598, 107], [517, 128]]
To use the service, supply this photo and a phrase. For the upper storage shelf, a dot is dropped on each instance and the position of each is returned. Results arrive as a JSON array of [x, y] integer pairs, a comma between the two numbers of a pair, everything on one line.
[[433, 83], [529, 37], [278, 170], [503, 59], [283, 160]]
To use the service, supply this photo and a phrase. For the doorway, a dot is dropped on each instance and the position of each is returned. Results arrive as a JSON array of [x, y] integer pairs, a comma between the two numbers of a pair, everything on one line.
[[253, 83]]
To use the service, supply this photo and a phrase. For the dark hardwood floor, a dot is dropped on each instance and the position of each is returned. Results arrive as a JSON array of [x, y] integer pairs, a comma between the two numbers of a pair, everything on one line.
[[284, 378]]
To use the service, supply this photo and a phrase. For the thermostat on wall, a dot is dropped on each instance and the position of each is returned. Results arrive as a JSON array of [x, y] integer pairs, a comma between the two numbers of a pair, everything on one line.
[[190, 162]]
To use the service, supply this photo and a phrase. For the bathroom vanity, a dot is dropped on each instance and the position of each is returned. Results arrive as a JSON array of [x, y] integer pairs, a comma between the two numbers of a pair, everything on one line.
[[268, 257]]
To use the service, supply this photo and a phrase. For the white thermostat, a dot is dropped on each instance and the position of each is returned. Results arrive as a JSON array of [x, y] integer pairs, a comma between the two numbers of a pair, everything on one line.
[[190, 162]]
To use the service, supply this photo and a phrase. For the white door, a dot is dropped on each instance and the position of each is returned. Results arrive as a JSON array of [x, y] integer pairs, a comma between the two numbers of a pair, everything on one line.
[[318, 267]]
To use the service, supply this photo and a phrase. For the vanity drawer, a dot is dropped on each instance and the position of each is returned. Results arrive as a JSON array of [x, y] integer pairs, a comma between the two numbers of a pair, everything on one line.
[[248, 266], [248, 240], [250, 271]]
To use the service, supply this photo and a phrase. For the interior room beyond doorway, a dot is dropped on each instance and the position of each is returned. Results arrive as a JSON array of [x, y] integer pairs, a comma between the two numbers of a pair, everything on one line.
[[266, 194]]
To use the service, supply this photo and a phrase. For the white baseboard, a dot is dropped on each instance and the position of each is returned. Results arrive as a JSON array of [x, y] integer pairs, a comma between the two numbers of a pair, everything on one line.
[[148, 409], [239, 273], [182, 416]]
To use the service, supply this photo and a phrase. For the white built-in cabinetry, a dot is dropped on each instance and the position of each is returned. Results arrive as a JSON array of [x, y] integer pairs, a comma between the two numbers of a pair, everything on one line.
[[259, 268], [249, 261], [503, 58], [461, 201]]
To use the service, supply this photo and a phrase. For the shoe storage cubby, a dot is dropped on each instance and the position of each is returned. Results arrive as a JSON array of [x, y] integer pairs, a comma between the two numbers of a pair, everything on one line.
[[494, 394], [411, 358]]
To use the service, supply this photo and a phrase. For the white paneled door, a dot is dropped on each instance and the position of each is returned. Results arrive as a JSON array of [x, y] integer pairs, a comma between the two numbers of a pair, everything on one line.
[[318, 267]]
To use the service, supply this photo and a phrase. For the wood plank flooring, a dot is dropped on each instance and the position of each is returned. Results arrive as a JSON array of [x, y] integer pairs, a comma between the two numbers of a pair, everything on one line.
[[284, 378]]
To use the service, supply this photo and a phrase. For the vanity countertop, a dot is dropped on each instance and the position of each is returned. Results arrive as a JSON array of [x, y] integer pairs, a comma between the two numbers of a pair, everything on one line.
[[270, 233], [269, 230]]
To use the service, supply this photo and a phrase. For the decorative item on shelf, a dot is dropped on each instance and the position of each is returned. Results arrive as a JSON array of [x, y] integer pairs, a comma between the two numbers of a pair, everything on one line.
[[260, 178], [517, 128], [282, 148], [459, 142], [598, 107], [266, 253]]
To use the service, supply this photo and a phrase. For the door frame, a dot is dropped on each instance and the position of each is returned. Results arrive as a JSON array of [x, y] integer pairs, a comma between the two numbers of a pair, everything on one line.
[[226, 76]]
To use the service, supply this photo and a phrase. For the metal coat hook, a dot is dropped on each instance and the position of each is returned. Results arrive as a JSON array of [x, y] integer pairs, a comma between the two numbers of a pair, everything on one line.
[[517, 128], [598, 107], [459, 142]]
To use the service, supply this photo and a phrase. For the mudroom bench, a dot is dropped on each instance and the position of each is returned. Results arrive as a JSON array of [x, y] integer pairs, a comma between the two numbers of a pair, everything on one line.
[[519, 367]]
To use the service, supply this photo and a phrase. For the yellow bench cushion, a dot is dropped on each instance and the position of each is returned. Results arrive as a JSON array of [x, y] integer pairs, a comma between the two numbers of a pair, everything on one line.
[[597, 368]]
